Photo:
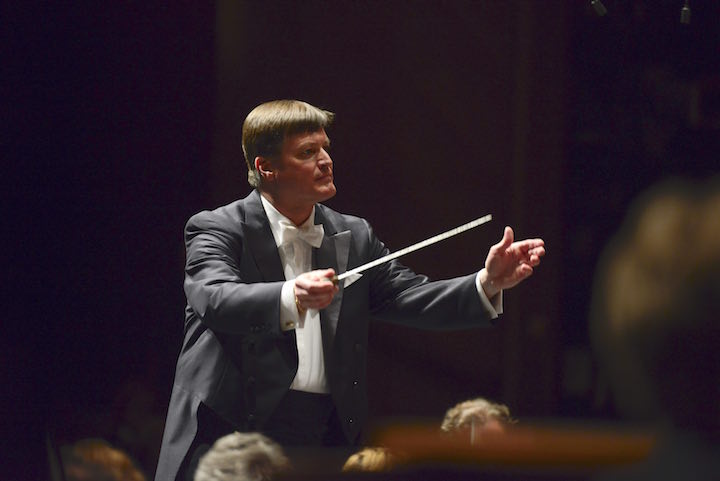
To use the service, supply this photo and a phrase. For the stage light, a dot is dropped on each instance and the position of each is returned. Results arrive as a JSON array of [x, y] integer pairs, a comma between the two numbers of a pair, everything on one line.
[[599, 8], [685, 13]]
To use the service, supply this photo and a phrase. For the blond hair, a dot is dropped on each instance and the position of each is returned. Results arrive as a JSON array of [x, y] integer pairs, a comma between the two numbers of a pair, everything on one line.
[[98, 459], [267, 125], [479, 411], [242, 457], [372, 459]]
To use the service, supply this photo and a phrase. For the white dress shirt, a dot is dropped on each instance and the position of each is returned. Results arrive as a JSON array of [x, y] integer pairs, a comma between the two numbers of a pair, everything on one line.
[[296, 258]]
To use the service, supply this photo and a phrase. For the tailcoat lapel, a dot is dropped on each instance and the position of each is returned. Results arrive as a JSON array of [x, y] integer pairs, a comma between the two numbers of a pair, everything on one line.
[[261, 242], [333, 253]]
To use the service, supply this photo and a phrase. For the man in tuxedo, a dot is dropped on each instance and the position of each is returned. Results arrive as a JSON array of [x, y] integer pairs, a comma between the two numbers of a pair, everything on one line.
[[271, 342]]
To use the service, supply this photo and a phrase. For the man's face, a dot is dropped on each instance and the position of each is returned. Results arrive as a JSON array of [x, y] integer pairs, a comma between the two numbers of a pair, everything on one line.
[[303, 169]]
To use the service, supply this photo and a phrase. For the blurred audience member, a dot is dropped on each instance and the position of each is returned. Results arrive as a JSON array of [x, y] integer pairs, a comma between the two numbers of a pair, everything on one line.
[[656, 326], [242, 457], [373, 459], [97, 460], [137, 411], [477, 416]]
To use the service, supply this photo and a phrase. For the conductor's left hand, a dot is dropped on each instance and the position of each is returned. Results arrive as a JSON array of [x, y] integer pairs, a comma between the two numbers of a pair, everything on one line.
[[508, 263]]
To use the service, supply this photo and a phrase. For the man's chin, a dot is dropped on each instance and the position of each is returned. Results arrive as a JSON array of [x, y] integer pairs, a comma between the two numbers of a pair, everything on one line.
[[327, 192]]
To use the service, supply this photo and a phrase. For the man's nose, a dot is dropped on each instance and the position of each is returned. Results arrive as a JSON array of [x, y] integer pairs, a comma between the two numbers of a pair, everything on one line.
[[325, 160]]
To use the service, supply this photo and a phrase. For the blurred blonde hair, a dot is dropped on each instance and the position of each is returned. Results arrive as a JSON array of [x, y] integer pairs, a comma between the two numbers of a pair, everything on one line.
[[372, 459], [242, 457], [478, 411], [97, 459]]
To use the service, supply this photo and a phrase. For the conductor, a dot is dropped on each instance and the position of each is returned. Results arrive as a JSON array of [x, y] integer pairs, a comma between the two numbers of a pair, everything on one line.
[[271, 343]]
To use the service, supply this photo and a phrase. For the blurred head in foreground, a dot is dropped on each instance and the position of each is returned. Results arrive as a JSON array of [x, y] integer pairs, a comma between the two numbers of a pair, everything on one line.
[[478, 414], [242, 457], [370, 459], [97, 460], [656, 308]]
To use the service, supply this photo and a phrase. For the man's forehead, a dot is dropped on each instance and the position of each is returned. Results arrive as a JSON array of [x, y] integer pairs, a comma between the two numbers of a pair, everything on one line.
[[318, 136]]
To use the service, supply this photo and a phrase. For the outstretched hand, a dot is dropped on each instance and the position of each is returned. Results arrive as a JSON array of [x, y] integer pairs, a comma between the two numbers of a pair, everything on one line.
[[508, 263]]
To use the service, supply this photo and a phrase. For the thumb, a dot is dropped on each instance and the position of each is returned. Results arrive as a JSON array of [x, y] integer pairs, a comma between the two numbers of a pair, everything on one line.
[[508, 238]]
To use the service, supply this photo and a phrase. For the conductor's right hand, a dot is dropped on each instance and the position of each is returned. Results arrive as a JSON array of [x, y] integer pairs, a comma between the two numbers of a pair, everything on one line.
[[315, 289]]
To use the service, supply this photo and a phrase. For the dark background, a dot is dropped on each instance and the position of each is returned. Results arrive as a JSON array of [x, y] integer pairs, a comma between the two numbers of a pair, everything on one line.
[[120, 120]]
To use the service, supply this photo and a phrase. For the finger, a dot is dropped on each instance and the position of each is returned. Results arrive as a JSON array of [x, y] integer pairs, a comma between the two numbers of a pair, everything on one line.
[[312, 281], [327, 273], [316, 294], [508, 237], [532, 255], [524, 271], [321, 285], [531, 243], [323, 278], [506, 241], [525, 250], [528, 244], [534, 261]]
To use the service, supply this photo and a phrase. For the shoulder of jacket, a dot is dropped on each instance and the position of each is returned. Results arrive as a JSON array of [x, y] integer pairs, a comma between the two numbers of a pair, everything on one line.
[[224, 215]]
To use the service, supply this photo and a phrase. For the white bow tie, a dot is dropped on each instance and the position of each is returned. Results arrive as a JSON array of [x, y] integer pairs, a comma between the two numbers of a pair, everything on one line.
[[312, 234]]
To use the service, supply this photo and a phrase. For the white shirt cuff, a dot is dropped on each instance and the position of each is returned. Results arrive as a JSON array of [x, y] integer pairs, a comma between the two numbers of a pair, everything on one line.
[[289, 316], [494, 305]]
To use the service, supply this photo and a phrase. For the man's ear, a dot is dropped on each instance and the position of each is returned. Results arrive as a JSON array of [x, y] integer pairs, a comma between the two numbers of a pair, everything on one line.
[[264, 168]]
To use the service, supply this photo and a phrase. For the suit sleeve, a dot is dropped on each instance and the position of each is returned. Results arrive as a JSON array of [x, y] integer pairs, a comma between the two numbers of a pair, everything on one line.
[[214, 286], [399, 295]]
